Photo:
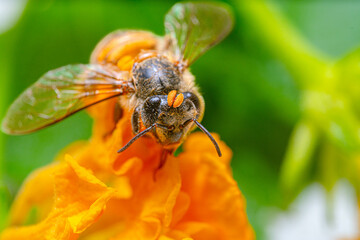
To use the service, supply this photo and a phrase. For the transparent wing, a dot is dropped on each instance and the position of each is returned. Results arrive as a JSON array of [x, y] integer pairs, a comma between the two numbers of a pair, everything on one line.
[[62, 92], [195, 27]]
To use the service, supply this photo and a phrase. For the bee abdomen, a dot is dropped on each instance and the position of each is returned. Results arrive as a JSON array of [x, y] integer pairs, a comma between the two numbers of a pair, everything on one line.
[[121, 47]]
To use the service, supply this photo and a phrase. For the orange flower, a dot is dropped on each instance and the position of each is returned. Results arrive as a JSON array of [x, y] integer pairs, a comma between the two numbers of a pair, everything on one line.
[[97, 193]]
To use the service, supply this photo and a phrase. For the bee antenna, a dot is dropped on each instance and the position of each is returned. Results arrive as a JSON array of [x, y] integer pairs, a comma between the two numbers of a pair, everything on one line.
[[209, 135], [139, 135]]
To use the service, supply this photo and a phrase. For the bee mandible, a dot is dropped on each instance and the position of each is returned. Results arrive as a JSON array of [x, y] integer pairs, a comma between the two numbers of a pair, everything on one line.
[[149, 74]]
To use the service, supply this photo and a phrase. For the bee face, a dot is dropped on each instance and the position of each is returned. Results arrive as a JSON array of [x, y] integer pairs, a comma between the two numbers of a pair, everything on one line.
[[172, 123]]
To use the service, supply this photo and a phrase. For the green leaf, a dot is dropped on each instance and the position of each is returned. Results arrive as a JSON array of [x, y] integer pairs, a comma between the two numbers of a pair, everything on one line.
[[298, 156]]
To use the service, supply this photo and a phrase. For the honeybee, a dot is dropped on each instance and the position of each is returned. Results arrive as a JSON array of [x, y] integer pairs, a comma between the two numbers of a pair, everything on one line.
[[147, 73]]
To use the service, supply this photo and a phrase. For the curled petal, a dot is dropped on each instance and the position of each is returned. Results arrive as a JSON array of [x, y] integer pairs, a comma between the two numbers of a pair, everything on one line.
[[216, 201], [36, 193], [80, 199], [200, 144]]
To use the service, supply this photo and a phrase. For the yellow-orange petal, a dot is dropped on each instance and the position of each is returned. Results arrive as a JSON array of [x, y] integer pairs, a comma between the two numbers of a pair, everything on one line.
[[201, 230], [51, 228], [150, 208], [36, 192], [181, 207], [103, 115], [133, 165], [84, 219], [161, 197], [165, 238], [80, 199], [198, 142], [215, 199]]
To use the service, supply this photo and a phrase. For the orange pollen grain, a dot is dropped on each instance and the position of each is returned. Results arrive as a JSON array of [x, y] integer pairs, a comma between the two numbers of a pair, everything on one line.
[[173, 100], [171, 97], [178, 100]]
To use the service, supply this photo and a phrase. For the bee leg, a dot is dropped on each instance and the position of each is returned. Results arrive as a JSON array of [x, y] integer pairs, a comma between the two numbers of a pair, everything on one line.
[[135, 121], [164, 154], [118, 113], [163, 157]]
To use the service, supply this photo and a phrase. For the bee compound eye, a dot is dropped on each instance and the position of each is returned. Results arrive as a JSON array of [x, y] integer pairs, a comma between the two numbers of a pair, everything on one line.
[[193, 98], [153, 102], [188, 105], [151, 110]]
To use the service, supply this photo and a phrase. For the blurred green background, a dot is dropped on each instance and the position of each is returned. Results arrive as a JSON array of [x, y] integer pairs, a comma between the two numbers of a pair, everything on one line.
[[258, 86]]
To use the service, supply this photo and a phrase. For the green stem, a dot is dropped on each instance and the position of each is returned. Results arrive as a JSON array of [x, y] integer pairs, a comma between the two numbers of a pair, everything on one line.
[[298, 155], [306, 63]]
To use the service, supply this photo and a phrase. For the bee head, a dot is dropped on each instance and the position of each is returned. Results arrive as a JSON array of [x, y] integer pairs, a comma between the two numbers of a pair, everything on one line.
[[170, 118], [172, 115]]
